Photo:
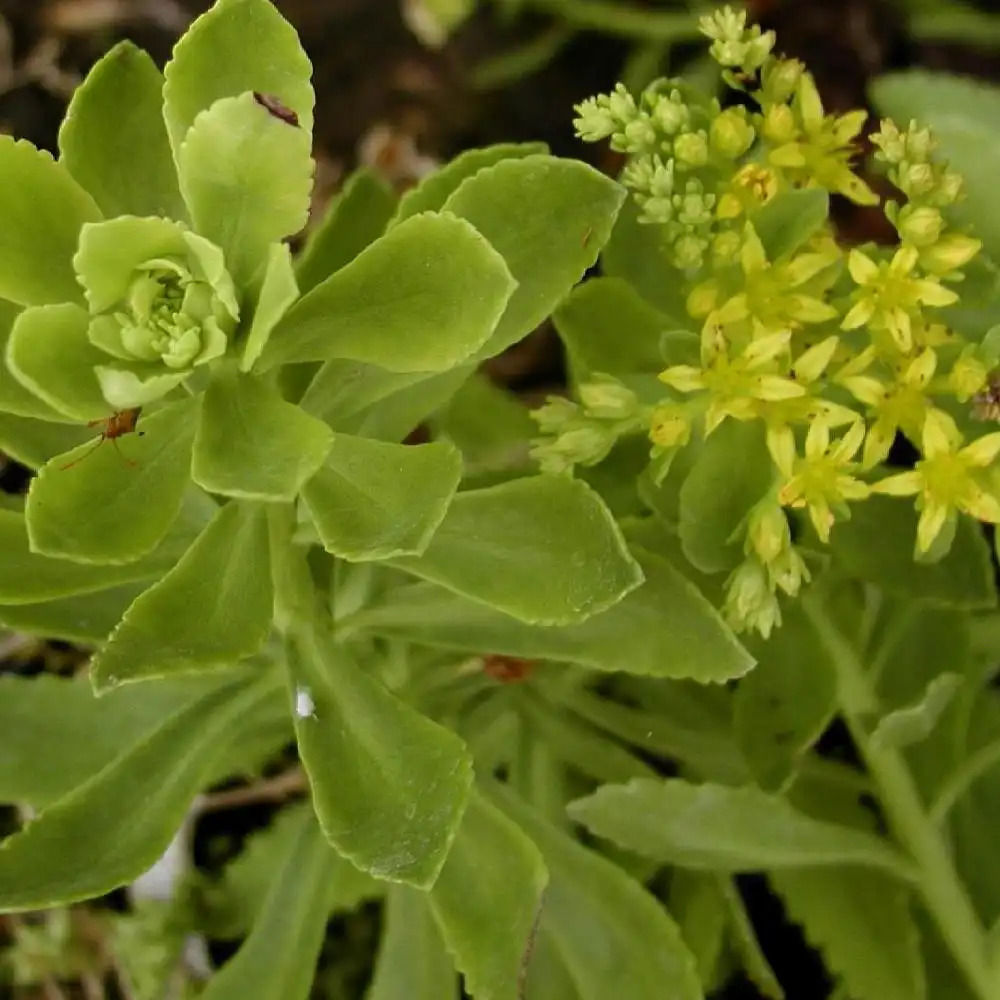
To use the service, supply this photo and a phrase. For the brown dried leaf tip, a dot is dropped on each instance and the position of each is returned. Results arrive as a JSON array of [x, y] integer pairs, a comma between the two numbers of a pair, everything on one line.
[[276, 108]]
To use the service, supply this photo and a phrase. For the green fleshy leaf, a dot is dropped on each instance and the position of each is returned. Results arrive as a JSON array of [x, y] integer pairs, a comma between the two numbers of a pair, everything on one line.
[[876, 545], [373, 500], [277, 292], [589, 322], [94, 504], [82, 618], [431, 193], [235, 47], [211, 610], [356, 217], [15, 399], [697, 904], [487, 898], [787, 221], [246, 177], [388, 784], [780, 709], [614, 937], [637, 253], [726, 829], [412, 963], [441, 290], [362, 399], [112, 828], [916, 722], [961, 114], [277, 961], [27, 578], [118, 149], [128, 390], [233, 903], [549, 219], [732, 472], [746, 945], [489, 425], [253, 444], [50, 355], [664, 628], [34, 442], [544, 550], [861, 922], [43, 716], [41, 211]]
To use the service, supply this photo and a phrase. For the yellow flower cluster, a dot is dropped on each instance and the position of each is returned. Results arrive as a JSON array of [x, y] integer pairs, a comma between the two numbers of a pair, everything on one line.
[[835, 351]]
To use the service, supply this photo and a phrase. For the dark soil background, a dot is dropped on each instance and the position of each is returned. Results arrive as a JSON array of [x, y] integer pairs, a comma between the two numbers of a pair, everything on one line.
[[384, 100]]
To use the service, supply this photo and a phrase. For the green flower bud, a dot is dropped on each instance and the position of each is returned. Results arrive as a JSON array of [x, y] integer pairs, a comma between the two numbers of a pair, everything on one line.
[[639, 136], [731, 134], [916, 179], [595, 121], [621, 103], [670, 113], [691, 149], [689, 251], [608, 399], [750, 601], [779, 124], [555, 414], [920, 225], [780, 79], [767, 532]]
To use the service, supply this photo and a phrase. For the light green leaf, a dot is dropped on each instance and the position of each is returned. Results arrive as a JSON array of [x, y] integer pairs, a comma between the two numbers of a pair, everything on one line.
[[111, 503], [82, 618], [118, 149], [487, 899], [638, 254], [246, 176], [590, 322], [277, 292], [211, 610], [731, 473], [489, 425], [431, 193], [746, 944], [543, 549], [614, 938], [412, 963], [388, 784], [549, 219], [34, 442], [356, 217], [916, 722], [876, 545], [861, 922], [58, 733], [698, 905], [783, 706], [253, 444], [277, 961], [441, 288], [961, 113], [235, 47], [725, 829], [233, 902], [664, 628], [787, 221], [362, 399], [14, 397], [41, 211], [111, 829], [50, 355], [373, 500]]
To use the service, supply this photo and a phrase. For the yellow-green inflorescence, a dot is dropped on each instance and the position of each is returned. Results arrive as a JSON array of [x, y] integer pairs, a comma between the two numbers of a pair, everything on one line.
[[834, 350]]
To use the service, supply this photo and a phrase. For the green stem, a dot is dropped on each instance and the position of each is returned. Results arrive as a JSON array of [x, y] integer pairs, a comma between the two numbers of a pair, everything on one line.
[[943, 893], [621, 20], [971, 769]]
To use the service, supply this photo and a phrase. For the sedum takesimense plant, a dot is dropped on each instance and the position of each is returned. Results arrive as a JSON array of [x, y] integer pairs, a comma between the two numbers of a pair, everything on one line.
[[717, 562]]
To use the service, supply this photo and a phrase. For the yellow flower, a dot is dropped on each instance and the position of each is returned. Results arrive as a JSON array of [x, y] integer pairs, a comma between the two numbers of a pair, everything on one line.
[[900, 405], [734, 387], [815, 148], [821, 479], [948, 479], [889, 296]]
